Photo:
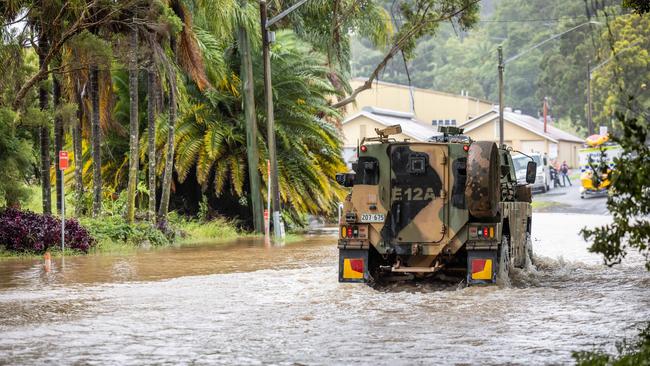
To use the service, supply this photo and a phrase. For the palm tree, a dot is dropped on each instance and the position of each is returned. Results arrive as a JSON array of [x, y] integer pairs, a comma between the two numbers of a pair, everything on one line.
[[152, 102], [186, 54], [59, 136], [134, 125], [44, 131], [212, 136], [95, 138]]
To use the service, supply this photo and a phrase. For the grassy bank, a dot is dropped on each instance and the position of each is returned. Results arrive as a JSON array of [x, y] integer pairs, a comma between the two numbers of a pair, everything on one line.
[[114, 234], [541, 206]]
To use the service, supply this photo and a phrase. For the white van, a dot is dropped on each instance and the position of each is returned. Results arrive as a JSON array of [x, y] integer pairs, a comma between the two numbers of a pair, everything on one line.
[[543, 179]]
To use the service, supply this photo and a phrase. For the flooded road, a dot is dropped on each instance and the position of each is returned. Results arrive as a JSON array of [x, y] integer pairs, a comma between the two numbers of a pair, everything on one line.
[[243, 303]]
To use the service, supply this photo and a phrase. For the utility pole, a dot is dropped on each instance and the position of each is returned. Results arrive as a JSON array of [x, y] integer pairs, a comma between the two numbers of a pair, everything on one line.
[[545, 111], [251, 129], [267, 38], [502, 64], [590, 121], [500, 53]]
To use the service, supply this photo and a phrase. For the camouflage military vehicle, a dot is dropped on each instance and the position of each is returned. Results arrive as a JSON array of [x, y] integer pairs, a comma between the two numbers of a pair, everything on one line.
[[448, 207]]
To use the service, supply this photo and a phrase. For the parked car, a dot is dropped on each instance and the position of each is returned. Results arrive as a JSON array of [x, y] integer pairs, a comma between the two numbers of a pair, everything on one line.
[[543, 179]]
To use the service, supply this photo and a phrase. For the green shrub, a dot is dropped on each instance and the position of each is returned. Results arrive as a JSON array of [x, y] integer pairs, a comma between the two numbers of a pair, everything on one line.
[[217, 228], [629, 354], [116, 230]]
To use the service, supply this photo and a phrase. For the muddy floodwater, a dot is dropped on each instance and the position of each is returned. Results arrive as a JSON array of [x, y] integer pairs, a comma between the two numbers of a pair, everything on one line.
[[244, 303]]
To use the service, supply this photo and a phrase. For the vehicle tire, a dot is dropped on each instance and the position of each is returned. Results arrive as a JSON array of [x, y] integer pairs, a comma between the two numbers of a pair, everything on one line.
[[483, 181], [504, 260], [529, 250]]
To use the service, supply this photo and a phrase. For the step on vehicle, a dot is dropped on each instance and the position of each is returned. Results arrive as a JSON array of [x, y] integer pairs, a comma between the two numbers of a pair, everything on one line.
[[445, 208]]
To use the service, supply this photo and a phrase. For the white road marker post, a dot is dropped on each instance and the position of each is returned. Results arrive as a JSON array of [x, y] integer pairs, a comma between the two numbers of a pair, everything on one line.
[[63, 165]]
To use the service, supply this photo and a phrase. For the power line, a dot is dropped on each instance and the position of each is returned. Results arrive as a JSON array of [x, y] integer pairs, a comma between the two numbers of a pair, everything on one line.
[[583, 18]]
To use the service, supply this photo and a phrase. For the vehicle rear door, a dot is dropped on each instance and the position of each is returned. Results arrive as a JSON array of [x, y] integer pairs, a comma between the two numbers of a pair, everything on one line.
[[419, 180]]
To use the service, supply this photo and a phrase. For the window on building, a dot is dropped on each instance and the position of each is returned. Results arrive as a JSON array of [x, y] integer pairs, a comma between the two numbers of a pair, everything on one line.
[[453, 122]]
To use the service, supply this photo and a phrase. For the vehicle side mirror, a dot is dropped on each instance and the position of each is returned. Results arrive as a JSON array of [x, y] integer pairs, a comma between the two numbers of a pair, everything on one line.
[[345, 179], [531, 172]]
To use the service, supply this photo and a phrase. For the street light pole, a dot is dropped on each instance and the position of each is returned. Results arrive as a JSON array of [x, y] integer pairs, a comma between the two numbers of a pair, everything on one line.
[[278, 225], [500, 53]]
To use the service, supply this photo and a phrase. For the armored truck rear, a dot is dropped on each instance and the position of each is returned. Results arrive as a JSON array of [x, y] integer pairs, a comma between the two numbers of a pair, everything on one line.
[[446, 207]]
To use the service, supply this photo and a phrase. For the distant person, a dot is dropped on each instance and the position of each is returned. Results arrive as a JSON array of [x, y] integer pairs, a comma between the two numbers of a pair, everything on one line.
[[564, 170], [553, 171]]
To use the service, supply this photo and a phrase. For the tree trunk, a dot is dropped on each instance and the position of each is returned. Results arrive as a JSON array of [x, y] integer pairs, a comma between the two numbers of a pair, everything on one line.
[[133, 126], [95, 136], [44, 135], [169, 158], [152, 97], [58, 138], [251, 129], [78, 157]]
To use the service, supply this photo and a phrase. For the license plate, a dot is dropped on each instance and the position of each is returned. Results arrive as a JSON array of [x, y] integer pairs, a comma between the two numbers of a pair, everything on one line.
[[371, 217]]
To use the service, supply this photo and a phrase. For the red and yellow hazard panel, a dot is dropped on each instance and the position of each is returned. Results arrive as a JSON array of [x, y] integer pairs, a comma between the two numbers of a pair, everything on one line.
[[481, 269], [353, 268], [353, 265]]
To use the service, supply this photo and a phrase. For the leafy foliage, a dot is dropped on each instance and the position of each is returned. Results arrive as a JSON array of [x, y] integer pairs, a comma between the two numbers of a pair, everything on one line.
[[16, 158], [630, 202], [639, 6], [629, 354], [625, 71], [116, 229], [455, 60], [25, 231], [211, 135]]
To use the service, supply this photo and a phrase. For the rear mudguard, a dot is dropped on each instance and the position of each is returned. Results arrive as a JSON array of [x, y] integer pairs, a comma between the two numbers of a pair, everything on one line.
[[353, 265], [482, 267]]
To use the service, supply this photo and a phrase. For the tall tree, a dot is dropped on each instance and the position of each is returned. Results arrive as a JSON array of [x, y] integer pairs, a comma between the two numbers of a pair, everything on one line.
[[59, 137], [95, 138], [420, 18], [152, 108], [186, 54], [211, 139], [251, 128], [44, 129], [169, 156], [78, 154], [133, 124]]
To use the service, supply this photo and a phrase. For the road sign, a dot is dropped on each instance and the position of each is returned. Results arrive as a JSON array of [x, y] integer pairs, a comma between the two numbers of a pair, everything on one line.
[[63, 160]]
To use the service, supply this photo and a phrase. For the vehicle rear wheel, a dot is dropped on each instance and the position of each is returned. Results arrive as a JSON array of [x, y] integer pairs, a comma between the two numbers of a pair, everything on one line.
[[529, 250], [504, 260]]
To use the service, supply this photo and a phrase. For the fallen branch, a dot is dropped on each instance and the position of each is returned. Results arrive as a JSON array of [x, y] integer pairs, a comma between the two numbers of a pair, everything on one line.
[[397, 47]]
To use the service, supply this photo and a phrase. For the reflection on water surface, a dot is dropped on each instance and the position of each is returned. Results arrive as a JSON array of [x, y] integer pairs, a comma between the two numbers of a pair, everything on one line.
[[243, 303]]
